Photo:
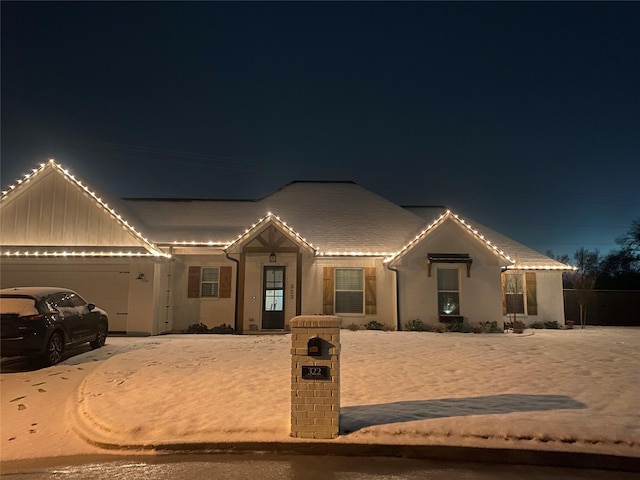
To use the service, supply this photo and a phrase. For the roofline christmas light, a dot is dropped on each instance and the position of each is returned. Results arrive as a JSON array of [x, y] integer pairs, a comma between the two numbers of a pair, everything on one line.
[[477, 234], [278, 220], [417, 238], [473, 231], [154, 251], [541, 267], [353, 254], [64, 253], [193, 243]]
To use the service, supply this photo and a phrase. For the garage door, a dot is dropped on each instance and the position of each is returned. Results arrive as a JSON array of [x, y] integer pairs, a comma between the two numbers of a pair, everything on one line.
[[105, 285]]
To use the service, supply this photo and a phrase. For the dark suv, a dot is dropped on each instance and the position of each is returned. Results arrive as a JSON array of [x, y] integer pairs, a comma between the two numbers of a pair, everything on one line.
[[42, 321]]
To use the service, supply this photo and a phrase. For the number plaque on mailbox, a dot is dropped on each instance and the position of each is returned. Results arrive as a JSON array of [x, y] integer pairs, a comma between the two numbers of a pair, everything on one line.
[[315, 373]]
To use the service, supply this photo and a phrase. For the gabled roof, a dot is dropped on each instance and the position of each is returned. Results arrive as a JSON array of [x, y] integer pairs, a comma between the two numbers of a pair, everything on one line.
[[338, 218], [514, 254], [331, 218], [263, 222], [37, 221]]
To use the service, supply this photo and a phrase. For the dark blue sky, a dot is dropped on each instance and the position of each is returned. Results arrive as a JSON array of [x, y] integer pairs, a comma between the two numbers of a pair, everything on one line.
[[521, 116]]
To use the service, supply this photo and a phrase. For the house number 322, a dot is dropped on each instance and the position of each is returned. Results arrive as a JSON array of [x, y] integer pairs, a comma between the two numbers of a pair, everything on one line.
[[315, 373]]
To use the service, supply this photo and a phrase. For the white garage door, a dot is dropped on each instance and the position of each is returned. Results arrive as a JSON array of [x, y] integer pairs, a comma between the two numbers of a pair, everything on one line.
[[105, 285]]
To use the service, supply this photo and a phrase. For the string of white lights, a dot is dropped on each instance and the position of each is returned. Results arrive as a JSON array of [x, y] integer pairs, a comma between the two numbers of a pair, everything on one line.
[[280, 222], [36, 253], [154, 251]]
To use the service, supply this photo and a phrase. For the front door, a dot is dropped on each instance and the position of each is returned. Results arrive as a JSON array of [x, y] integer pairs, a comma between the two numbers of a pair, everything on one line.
[[273, 298]]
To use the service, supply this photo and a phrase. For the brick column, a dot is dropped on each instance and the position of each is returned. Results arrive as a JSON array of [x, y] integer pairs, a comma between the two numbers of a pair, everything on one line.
[[315, 376]]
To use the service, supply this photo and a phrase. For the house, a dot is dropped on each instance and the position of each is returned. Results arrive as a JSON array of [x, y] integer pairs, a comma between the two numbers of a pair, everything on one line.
[[159, 265]]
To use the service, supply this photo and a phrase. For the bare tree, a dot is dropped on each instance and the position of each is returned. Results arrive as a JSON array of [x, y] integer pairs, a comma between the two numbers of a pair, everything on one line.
[[583, 279], [514, 297]]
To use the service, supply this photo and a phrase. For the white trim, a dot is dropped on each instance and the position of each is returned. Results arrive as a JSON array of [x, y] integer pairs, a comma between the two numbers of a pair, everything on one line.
[[153, 249]]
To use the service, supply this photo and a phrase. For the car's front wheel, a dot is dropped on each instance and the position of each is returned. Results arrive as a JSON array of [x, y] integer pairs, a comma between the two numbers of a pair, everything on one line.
[[55, 347], [101, 336]]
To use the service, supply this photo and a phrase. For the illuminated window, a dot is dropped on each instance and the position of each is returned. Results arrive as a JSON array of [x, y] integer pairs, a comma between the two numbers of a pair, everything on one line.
[[448, 292], [210, 282], [349, 290], [274, 289]]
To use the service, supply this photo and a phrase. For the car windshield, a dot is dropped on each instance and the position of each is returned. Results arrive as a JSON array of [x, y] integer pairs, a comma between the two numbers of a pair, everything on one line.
[[18, 306]]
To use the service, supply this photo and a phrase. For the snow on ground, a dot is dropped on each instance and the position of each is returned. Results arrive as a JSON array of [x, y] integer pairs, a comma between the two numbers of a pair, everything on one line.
[[571, 390]]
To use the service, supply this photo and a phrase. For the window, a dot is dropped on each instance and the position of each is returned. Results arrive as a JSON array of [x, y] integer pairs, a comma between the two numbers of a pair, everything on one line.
[[274, 289], [519, 293], [58, 301], [514, 293], [448, 292], [349, 290], [76, 300], [210, 282]]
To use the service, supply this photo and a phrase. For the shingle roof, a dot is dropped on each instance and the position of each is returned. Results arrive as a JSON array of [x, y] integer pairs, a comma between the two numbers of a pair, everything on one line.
[[517, 255], [338, 218]]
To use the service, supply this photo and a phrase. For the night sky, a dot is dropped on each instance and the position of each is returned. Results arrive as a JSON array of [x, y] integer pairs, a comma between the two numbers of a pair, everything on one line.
[[522, 116]]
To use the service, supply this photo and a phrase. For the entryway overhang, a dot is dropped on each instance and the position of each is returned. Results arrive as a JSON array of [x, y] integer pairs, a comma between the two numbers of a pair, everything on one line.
[[263, 243]]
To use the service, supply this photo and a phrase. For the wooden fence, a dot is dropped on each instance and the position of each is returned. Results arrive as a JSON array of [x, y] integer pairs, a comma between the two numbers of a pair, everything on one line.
[[605, 307]]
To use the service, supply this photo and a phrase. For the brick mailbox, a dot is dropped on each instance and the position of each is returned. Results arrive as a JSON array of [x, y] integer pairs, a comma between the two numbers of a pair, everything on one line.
[[315, 376]]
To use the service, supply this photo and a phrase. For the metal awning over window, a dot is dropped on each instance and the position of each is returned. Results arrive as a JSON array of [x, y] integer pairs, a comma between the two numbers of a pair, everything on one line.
[[450, 258]]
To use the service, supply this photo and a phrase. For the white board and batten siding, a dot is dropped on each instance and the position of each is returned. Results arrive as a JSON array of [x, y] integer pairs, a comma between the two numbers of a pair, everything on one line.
[[56, 212]]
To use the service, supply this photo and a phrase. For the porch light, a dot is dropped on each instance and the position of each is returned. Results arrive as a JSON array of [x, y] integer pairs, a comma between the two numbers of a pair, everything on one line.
[[272, 258]]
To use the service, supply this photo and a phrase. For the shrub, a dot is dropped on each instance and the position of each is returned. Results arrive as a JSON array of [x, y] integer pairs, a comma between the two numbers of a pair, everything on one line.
[[552, 325], [197, 328], [374, 325], [518, 326], [537, 325], [416, 325], [388, 328], [223, 329], [354, 327], [490, 327], [477, 329], [454, 326], [202, 328], [438, 328]]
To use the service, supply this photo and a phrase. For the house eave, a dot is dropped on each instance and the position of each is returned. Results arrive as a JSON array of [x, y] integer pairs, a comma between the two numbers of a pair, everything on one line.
[[75, 252], [152, 249], [270, 218], [566, 268]]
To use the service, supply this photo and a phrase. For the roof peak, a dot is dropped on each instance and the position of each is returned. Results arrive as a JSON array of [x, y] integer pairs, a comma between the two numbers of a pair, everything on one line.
[[294, 182]]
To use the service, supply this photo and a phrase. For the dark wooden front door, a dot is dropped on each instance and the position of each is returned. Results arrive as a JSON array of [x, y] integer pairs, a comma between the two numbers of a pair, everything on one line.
[[273, 298]]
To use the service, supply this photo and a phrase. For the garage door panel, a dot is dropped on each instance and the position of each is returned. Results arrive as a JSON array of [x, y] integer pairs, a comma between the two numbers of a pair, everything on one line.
[[107, 288]]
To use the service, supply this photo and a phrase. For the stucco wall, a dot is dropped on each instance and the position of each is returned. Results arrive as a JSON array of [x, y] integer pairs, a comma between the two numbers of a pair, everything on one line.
[[147, 302], [210, 311], [480, 294], [549, 298], [385, 290]]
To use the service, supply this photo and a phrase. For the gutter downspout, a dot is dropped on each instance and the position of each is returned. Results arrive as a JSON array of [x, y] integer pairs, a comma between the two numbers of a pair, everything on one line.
[[399, 325], [235, 307]]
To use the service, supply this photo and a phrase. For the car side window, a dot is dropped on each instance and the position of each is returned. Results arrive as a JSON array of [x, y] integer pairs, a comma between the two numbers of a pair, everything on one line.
[[76, 300], [58, 301]]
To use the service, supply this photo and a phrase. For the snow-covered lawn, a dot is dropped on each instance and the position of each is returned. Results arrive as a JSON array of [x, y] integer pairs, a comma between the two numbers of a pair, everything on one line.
[[570, 390]]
